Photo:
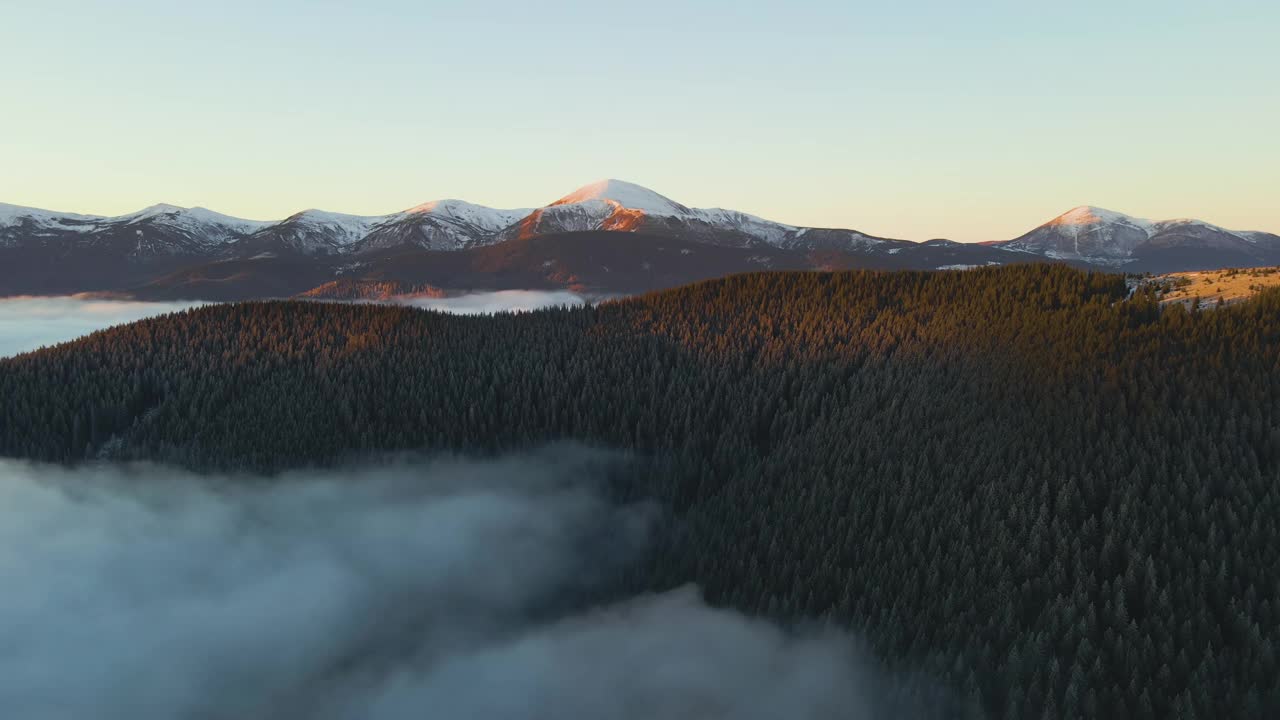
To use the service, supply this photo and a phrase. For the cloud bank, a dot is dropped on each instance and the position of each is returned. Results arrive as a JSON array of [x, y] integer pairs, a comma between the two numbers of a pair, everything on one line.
[[411, 590], [27, 323], [499, 301]]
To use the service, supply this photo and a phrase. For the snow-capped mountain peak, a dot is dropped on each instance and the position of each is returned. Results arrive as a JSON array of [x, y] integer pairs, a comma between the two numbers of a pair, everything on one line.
[[316, 215], [1093, 215], [440, 225], [1180, 223], [343, 227], [151, 211], [620, 206], [161, 229], [486, 218], [445, 207], [624, 194], [313, 232], [607, 205], [1086, 233], [13, 214], [191, 219], [1105, 237]]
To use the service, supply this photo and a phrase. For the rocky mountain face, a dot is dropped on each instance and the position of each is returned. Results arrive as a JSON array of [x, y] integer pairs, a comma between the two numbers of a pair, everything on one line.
[[45, 252]]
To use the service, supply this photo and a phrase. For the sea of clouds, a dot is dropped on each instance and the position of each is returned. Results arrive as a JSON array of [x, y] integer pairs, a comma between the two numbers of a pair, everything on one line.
[[29, 323], [411, 589], [499, 301]]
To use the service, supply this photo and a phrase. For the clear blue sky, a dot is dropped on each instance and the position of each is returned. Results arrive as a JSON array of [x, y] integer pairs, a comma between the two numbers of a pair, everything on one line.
[[909, 119]]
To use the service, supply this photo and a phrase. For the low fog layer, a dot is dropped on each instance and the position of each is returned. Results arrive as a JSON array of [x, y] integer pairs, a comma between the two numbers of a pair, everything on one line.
[[499, 301], [27, 323], [418, 590]]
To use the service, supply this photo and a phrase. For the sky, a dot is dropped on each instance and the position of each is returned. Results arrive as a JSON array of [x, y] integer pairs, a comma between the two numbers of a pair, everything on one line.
[[911, 119]]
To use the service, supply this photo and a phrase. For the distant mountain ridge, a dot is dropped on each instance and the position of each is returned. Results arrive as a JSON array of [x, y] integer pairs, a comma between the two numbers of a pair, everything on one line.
[[609, 205], [43, 251], [1105, 237]]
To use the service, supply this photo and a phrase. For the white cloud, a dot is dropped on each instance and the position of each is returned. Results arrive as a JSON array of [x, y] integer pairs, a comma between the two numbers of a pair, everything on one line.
[[408, 590], [500, 301], [27, 323]]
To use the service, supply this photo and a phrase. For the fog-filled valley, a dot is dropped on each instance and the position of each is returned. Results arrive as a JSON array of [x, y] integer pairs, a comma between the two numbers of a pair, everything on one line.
[[1009, 492], [29, 323], [405, 588], [498, 301]]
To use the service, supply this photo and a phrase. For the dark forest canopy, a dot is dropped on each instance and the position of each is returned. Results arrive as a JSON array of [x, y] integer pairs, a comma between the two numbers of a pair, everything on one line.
[[1062, 500]]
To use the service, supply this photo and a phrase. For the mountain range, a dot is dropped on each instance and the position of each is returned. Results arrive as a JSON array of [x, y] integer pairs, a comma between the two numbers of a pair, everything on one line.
[[607, 237]]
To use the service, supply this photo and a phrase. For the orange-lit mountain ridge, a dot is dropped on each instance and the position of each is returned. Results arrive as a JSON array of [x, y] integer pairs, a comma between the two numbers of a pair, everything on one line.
[[592, 237]]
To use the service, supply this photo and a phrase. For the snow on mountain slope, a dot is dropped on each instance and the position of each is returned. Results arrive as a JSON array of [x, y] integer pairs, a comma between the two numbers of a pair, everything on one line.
[[608, 205], [619, 193], [615, 205], [209, 217], [440, 225], [16, 214], [465, 213], [196, 218], [155, 230], [772, 233], [21, 225], [1265, 239], [1104, 237], [204, 227], [584, 216], [1086, 233], [603, 205], [352, 226], [311, 232], [1198, 226], [1089, 215]]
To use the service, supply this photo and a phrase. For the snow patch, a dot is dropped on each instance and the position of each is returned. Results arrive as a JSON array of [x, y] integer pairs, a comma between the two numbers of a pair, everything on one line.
[[1092, 215], [628, 195], [485, 218], [18, 214], [191, 219], [1168, 225]]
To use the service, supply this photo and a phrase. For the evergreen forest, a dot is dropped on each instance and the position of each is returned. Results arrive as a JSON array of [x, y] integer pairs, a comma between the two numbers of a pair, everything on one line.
[[1036, 484]]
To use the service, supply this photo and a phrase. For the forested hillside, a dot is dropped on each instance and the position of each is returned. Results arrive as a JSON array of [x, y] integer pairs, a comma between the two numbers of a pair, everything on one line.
[[1064, 502]]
